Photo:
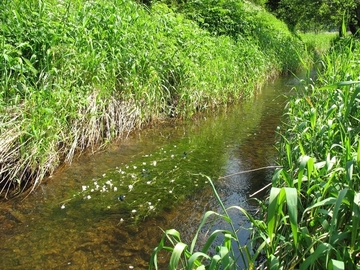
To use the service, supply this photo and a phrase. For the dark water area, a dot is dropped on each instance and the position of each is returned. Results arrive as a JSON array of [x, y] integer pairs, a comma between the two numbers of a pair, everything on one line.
[[108, 210]]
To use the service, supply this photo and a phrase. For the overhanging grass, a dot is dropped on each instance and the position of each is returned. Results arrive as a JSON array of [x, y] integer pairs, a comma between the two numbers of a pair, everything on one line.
[[76, 74], [310, 219], [320, 152]]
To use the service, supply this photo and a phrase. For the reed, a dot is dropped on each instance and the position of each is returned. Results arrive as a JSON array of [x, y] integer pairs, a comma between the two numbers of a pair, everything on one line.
[[318, 228], [310, 219], [76, 74]]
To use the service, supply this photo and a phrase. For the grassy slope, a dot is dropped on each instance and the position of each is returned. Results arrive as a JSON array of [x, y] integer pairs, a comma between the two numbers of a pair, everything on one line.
[[76, 74]]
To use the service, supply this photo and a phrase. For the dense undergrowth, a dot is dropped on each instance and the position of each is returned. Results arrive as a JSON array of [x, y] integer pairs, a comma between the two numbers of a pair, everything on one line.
[[311, 218], [76, 74]]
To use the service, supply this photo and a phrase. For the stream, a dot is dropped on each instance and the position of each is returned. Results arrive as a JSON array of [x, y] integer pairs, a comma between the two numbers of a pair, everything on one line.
[[108, 210]]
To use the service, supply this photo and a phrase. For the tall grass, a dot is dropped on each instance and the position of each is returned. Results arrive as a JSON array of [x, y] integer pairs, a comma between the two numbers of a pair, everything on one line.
[[320, 153], [310, 219], [76, 74]]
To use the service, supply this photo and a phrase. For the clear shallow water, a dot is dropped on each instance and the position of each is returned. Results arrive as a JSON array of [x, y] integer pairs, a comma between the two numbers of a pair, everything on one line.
[[75, 220]]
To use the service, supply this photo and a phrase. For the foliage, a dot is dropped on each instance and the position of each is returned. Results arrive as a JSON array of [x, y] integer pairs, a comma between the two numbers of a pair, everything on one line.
[[188, 257], [243, 21], [311, 15], [320, 152], [318, 42], [76, 74], [311, 216]]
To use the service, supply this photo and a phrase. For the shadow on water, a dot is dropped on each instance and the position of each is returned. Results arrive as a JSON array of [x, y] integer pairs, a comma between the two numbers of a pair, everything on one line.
[[106, 211]]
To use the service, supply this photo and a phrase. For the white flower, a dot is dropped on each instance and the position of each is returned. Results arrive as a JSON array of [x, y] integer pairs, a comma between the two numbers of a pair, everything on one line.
[[104, 175], [172, 156], [133, 211], [88, 197], [172, 180], [115, 189], [151, 207], [84, 188], [63, 206], [154, 163], [135, 167], [131, 187], [144, 163], [148, 182]]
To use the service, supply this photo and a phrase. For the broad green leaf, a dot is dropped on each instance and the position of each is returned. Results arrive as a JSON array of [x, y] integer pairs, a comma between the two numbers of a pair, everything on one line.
[[274, 263], [355, 220], [303, 161], [272, 212], [176, 255], [212, 238], [203, 220], [214, 262], [196, 258], [345, 83], [321, 249], [327, 201], [335, 218], [336, 265], [291, 200]]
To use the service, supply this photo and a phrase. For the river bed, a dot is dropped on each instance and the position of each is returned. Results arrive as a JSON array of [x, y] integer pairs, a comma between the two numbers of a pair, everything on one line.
[[108, 210]]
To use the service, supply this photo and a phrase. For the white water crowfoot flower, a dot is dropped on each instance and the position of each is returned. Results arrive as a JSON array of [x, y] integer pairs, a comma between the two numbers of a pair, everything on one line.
[[120, 221], [131, 187]]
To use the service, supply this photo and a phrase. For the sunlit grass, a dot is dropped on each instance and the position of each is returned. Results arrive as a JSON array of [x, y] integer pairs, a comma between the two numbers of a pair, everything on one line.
[[310, 219], [75, 75], [320, 42]]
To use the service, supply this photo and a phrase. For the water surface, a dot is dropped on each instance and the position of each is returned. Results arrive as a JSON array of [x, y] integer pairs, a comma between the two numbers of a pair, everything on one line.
[[75, 220]]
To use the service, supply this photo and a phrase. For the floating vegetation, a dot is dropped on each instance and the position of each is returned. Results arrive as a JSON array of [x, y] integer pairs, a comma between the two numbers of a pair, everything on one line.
[[153, 183]]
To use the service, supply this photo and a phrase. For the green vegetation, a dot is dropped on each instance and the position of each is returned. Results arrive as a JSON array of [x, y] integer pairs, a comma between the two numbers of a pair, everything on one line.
[[309, 15], [76, 74], [318, 42], [320, 152], [310, 219]]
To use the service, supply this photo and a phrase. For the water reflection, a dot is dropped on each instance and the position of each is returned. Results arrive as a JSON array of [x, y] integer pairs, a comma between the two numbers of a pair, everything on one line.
[[76, 220]]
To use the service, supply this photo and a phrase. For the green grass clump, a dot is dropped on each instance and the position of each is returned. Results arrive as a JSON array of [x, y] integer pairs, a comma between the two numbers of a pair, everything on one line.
[[76, 74], [318, 42], [310, 220], [318, 226]]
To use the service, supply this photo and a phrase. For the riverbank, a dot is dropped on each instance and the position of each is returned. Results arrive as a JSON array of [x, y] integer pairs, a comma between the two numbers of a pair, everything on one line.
[[313, 209], [310, 218], [75, 76]]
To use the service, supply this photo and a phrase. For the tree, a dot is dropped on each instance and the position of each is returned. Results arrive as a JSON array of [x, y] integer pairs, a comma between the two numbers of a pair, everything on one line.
[[317, 15]]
